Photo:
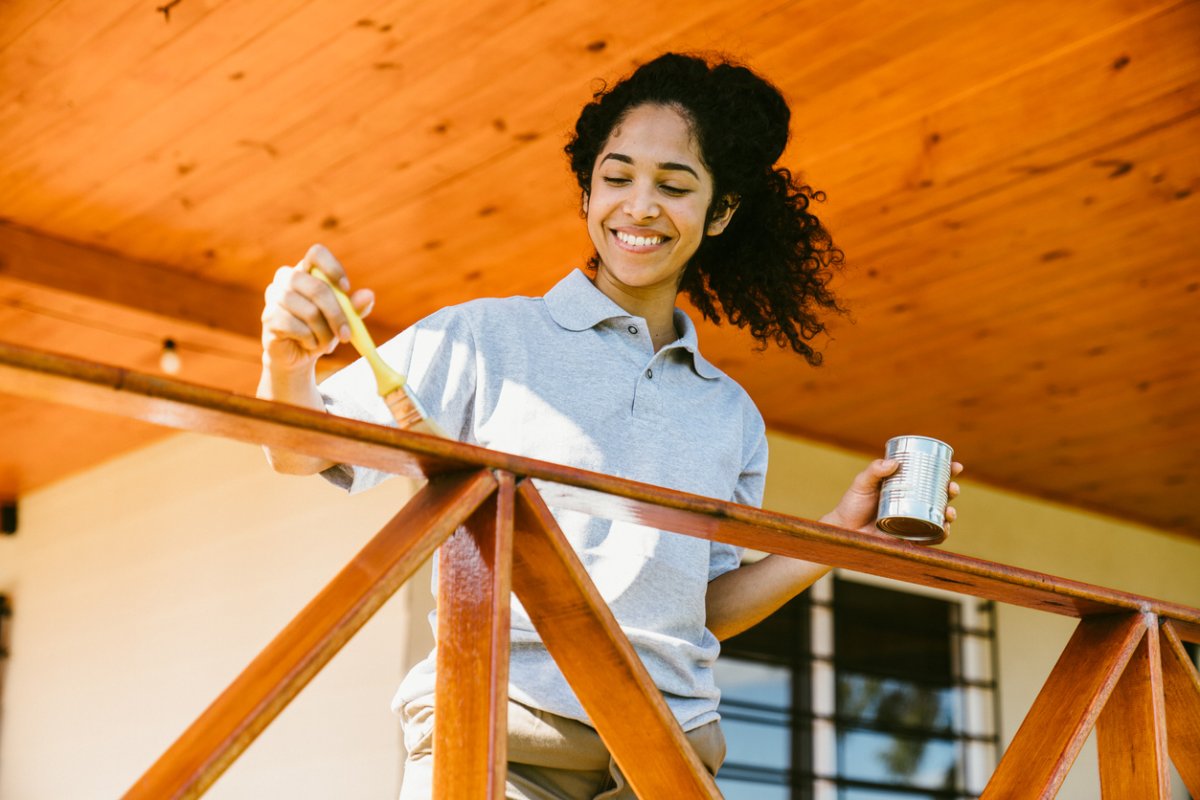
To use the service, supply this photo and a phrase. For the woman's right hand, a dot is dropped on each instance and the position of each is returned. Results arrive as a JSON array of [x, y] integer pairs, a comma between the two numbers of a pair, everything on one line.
[[301, 319]]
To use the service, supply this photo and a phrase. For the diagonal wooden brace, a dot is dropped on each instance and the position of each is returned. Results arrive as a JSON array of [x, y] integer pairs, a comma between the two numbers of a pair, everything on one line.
[[598, 661], [1065, 711], [474, 585], [1181, 691], [313, 637], [1131, 733]]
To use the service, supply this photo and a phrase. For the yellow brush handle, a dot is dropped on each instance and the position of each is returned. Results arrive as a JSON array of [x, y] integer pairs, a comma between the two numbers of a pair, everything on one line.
[[386, 378]]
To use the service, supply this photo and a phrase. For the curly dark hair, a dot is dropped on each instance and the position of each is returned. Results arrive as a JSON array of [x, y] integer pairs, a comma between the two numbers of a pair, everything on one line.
[[770, 269]]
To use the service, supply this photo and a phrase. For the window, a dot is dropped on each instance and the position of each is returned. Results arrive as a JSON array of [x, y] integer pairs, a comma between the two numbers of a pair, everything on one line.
[[861, 690]]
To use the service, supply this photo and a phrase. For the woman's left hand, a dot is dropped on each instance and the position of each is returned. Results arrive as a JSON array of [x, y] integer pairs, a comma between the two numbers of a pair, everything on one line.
[[860, 503]]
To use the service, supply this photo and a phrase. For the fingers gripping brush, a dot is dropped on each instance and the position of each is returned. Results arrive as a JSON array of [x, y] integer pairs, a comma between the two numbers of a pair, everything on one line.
[[404, 405]]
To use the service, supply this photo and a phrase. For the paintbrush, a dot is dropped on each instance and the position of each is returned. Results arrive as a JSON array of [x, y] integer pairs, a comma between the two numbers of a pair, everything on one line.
[[406, 408]]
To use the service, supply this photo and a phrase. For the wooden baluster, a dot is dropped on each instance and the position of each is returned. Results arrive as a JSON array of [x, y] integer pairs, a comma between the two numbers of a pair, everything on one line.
[[1131, 732], [598, 661], [281, 670], [474, 585], [1181, 691], [1065, 711]]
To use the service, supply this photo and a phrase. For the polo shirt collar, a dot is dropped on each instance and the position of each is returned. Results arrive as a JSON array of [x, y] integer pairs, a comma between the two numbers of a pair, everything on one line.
[[577, 305], [690, 342]]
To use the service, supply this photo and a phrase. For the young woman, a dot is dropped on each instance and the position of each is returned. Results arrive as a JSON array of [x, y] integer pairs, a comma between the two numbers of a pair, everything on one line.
[[680, 191]]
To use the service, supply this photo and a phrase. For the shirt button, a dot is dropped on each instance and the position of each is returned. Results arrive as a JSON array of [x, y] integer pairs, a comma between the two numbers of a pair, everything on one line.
[[633, 329], [650, 374]]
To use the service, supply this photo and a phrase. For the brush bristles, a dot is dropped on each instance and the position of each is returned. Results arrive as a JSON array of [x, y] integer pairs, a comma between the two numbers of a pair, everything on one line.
[[408, 416]]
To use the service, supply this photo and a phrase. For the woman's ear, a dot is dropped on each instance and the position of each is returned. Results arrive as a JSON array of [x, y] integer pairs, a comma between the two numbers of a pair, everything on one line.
[[722, 214], [583, 203]]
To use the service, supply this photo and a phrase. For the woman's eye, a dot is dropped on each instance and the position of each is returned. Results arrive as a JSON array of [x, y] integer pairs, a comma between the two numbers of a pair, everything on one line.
[[613, 180], [675, 191]]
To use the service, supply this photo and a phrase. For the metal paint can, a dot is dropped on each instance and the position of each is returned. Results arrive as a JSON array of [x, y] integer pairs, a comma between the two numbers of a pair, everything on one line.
[[912, 500]]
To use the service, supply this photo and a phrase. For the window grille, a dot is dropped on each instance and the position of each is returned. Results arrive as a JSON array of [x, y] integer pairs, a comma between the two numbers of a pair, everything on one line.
[[860, 690]]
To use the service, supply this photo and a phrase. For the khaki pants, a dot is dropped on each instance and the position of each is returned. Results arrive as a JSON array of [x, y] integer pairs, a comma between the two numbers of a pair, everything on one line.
[[549, 757]]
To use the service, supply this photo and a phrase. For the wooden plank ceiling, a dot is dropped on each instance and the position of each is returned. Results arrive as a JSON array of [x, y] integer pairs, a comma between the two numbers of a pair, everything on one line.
[[1015, 186]]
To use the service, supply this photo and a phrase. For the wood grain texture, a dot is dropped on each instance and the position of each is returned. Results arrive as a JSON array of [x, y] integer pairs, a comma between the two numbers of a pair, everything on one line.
[[60, 266], [470, 734], [60, 296], [187, 407], [1131, 733], [1065, 711], [1181, 690], [1021, 184], [876, 554], [312, 638], [1085, 675], [598, 661]]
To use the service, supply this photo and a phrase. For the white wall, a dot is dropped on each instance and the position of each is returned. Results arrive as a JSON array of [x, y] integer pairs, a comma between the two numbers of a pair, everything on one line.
[[807, 480], [142, 587]]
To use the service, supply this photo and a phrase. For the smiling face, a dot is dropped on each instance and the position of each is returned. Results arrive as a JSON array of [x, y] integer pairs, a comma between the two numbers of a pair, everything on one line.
[[647, 210]]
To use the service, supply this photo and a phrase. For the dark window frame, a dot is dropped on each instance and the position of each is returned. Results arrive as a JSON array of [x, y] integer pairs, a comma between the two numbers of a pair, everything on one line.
[[785, 639]]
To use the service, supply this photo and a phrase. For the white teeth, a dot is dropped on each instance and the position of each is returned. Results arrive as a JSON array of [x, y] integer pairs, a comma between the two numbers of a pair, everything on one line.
[[639, 241]]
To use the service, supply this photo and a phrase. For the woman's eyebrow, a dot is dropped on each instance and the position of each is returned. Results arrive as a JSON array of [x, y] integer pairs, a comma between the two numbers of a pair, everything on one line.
[[671, 166], [676, 166]]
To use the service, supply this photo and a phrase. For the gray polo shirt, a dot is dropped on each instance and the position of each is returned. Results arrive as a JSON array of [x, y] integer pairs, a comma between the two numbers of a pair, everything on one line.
[[572, 378]]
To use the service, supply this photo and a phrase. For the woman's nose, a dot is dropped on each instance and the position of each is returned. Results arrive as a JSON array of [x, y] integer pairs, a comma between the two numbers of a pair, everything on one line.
[[641, 204]]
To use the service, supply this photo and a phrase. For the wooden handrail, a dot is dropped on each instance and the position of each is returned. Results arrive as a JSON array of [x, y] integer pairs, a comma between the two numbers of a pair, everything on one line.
[[84, 384], [1126, 647]]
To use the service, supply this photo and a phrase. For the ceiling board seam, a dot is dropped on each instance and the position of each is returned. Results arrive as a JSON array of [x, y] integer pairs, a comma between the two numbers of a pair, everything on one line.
[[46, 9]]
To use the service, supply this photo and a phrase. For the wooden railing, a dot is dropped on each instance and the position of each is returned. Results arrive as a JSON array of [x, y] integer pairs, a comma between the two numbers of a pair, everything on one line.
[[1124, 671]]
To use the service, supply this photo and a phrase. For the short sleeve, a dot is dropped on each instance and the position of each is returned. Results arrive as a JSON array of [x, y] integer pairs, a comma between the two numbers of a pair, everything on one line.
[[437, 358], [753, 480], [749, 492]]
